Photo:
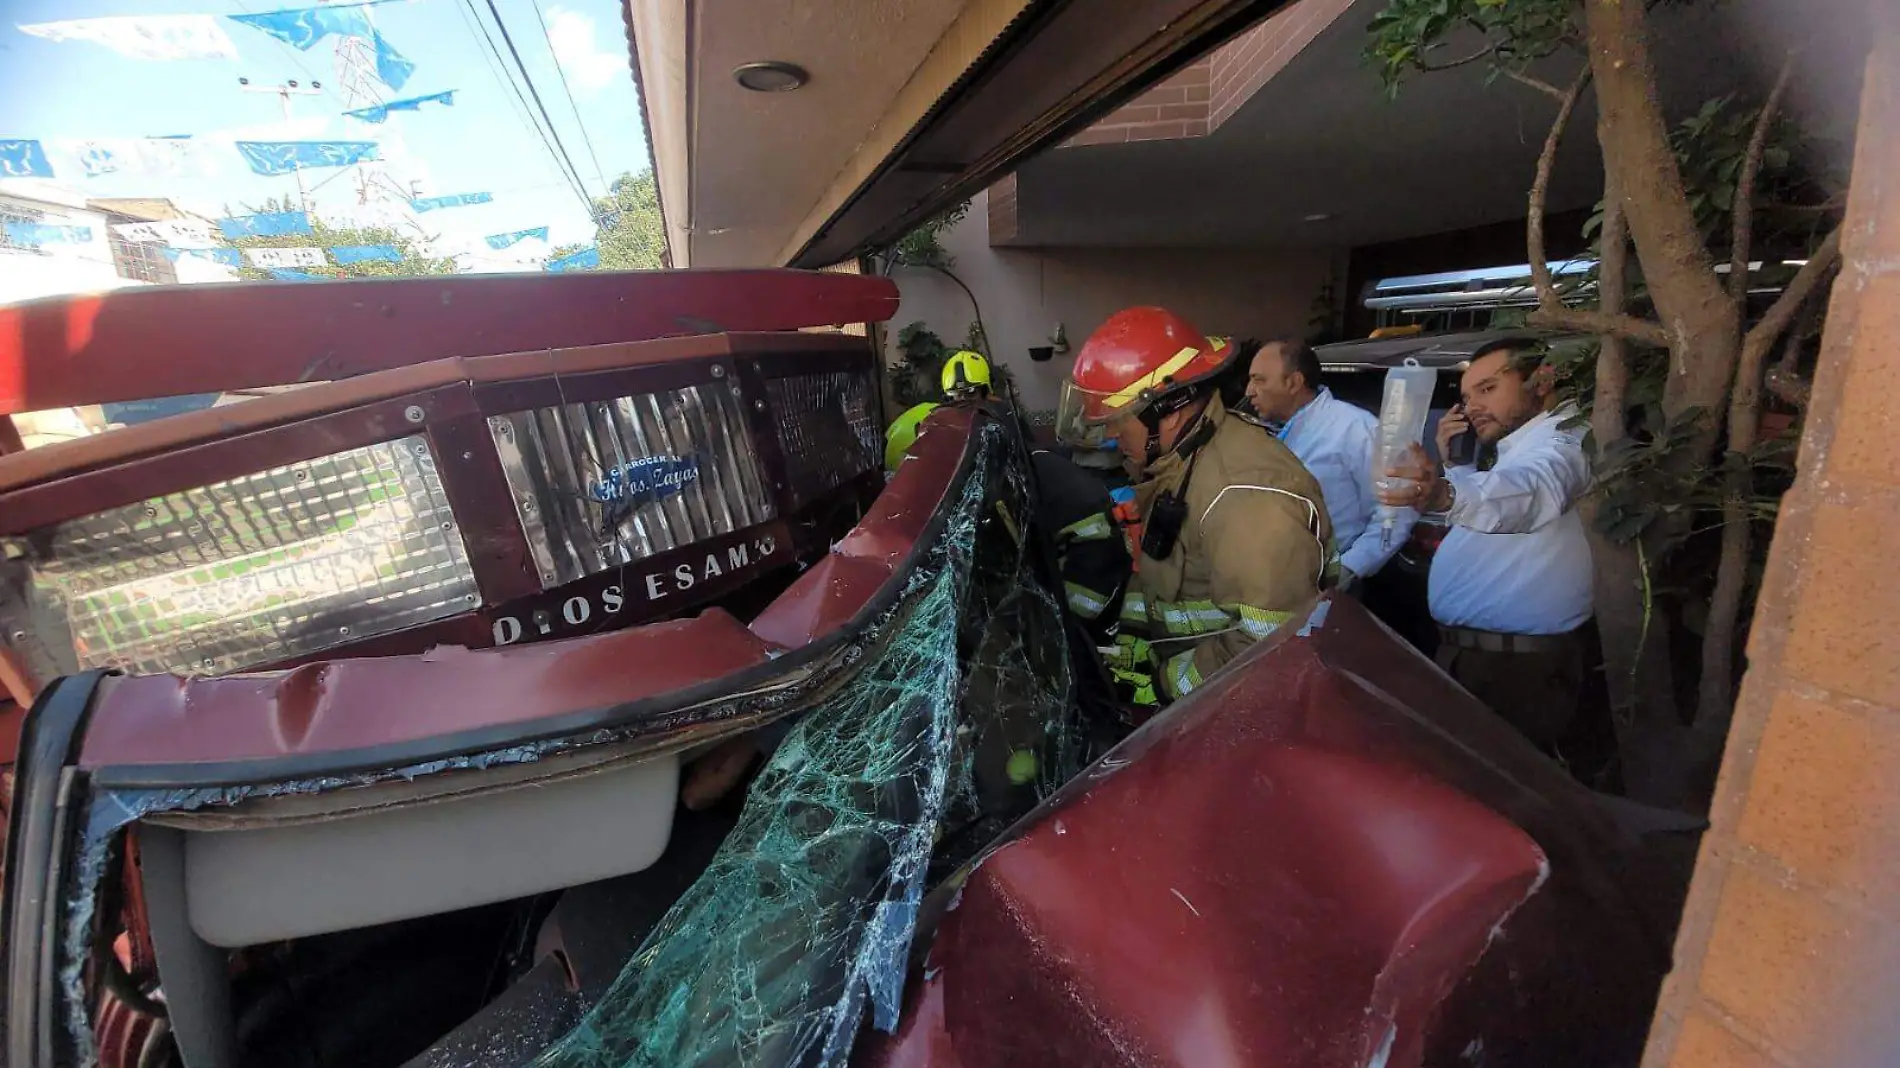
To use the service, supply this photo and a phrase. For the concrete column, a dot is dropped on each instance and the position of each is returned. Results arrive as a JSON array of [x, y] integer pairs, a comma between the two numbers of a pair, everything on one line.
[[1789, 952]]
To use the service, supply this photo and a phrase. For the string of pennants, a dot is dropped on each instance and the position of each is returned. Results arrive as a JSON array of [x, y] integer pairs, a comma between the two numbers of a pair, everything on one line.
[[201, 239], [187, 37]]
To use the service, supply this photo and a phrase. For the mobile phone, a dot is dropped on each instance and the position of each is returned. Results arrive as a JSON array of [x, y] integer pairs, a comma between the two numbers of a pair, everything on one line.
[[1462, 449]]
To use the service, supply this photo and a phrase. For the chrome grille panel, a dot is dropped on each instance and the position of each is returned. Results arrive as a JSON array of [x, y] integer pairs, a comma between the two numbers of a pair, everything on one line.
[[252, 570], [604, 483]]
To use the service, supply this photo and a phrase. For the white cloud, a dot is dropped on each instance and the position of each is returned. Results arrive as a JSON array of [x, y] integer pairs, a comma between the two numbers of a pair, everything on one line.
[[590, 67]]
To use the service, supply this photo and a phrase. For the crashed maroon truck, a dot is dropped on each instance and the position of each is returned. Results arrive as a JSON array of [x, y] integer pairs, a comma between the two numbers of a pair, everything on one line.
[[358, 711]]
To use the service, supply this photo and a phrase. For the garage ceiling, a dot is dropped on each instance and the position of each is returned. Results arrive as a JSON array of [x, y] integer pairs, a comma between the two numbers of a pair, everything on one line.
[[761, 160], [1321, 139]]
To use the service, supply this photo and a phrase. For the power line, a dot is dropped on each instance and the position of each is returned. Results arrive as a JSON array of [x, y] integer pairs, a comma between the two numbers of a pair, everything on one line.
[[491, 59], [571, 177], [569, 91], [528, 81]]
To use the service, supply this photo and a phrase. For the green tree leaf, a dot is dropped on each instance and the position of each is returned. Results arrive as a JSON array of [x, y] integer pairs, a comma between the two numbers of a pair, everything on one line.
[[414, 259]]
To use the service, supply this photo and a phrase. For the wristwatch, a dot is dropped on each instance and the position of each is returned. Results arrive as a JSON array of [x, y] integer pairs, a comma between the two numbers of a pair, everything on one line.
[[1451, 494]]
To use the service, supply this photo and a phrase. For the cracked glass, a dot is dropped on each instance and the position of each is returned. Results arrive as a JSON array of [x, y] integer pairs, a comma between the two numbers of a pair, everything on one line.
[[911, 746], [958, 721]]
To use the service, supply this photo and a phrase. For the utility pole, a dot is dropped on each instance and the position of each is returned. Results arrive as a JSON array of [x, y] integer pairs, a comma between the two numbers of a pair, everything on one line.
[[284, 92]]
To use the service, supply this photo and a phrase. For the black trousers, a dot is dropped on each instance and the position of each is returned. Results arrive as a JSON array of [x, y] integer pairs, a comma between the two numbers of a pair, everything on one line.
[[1551, 691]]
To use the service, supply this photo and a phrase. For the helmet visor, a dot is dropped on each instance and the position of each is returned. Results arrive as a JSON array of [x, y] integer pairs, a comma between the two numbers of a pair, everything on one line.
[[1083, 415]]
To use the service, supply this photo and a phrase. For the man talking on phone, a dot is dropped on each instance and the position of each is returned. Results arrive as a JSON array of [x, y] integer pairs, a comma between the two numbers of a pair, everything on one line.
[[1511, 585]]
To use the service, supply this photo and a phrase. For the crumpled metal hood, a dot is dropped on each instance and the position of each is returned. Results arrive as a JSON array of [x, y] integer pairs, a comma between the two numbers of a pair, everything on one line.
[[1332, 857]]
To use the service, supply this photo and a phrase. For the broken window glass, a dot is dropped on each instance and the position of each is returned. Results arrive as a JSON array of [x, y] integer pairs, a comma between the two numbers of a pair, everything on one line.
[[958, 721], [914, 743]]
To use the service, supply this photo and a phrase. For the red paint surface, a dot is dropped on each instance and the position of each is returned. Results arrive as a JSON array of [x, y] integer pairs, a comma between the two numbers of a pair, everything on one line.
[[349, 704], [821, 600], [839, 586], [12, 718], [144, 342], [898, 517], [1310, 855]]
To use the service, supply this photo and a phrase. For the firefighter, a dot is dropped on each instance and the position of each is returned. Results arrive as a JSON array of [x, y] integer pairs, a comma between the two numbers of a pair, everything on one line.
[[1235, 536], [966, 376]]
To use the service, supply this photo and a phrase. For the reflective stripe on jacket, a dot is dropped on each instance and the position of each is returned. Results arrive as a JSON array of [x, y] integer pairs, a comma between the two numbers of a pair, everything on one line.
[[1255, 548]]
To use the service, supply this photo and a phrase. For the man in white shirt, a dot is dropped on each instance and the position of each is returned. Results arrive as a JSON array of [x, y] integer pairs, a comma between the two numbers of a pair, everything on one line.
[[1511, 585], [1334, 439]]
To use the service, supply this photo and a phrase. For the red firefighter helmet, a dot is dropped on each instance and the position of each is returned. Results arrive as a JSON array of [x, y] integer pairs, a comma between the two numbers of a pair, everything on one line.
[[1140, 360]]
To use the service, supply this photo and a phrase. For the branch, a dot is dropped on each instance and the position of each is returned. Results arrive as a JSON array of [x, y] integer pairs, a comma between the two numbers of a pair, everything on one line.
[[1743, 206], [1627, 327], [1538, 84], [1608, 416], [1485, 52], [1717, 696], [1782, 311], [1547, 297], [1784, 379]]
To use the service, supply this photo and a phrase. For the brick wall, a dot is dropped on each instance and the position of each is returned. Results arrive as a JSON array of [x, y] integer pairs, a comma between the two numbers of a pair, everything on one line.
[[1175, 108], [1196, 100], [1002, 210], [1244, 64], [1789, 952]]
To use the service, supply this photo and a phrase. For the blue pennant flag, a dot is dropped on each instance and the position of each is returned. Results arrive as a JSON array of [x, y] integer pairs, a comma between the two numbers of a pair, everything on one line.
[[303, 27], [23, 159], [286, 157], [285, 274], [266, 224], [505, 240], [391, 66], [230, 257], [380, 112], [36, 234], [347, 254], [453, 200], [585, 259]]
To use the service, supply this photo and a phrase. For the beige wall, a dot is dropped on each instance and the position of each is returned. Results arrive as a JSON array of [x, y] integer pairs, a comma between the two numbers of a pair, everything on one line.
[[1025, 293]]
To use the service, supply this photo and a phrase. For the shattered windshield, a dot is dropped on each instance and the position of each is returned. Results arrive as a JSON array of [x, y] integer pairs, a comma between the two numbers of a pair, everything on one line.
[[910, 747], [958, 720]]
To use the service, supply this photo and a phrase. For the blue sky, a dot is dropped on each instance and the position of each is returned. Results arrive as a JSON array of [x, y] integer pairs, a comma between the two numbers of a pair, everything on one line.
[[75, 89]]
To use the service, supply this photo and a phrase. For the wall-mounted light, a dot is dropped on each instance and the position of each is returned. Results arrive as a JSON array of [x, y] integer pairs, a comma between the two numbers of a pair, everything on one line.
[[1316, 217], [770, 76]]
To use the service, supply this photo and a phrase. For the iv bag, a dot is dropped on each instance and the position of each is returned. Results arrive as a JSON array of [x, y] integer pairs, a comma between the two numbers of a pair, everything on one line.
[[1407, 400]]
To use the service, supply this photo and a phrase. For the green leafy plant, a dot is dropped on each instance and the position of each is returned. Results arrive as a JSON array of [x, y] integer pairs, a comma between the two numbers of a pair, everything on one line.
[[923, 247], [412, 259], [629, 229], [918, 375]]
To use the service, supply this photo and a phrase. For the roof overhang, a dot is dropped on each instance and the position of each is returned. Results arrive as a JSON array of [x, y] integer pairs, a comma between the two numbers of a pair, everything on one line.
[[912, 106]]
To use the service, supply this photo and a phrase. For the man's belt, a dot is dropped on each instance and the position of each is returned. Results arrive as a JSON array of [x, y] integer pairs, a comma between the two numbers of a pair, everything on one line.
[[1491, 641]]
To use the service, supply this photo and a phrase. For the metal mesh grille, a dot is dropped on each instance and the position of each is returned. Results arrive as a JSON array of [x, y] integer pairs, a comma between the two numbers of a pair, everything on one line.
[[827, 427], [606, 483], [253, 570]]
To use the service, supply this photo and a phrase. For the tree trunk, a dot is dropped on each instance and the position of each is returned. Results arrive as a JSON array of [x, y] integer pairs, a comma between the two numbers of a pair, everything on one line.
[[1701, 322], [1637, 669], [1717, 688]]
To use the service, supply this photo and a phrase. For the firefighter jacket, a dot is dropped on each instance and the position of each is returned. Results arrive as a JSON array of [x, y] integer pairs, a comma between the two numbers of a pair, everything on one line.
[[1075, 508], [1255, 547]]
